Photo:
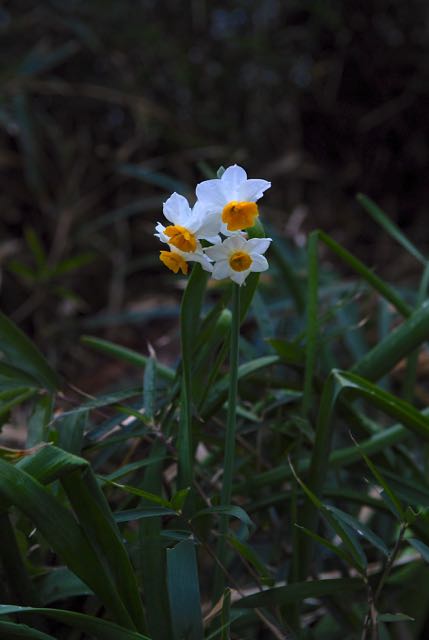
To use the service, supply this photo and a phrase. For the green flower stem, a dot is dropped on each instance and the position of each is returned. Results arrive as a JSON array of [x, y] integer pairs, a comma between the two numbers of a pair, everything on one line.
[[228, 465]]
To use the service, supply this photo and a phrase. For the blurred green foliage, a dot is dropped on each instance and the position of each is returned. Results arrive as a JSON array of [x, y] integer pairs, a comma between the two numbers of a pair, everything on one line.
[[102, 102]]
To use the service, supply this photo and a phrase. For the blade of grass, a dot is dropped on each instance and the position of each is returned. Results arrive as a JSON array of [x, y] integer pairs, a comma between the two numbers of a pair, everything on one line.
[[390, 227], [373, 280], [399, 344], [126, 355]]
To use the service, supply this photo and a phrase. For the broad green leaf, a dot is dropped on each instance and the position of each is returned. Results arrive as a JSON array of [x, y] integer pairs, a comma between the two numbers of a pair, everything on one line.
[[60, 583], [299, 591], [20, 352], [96, 519], [97, 627], [184, 591], [60, 530]]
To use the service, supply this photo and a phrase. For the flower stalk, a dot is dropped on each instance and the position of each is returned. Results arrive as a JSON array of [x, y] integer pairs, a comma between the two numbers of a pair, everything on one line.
[[229, 455]]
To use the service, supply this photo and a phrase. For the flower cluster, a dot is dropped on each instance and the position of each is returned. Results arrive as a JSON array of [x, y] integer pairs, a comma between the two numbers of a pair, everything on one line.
[[225, 207]]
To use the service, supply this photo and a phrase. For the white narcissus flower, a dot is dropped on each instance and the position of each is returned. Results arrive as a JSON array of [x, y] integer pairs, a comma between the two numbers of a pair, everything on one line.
[[187, 225], [236, 257], [234, 197]]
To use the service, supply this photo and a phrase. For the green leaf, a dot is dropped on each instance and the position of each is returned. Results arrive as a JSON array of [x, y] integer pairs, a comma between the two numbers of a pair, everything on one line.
[[421, 547], [345, 534], [299, 591], [13, 378], [12, 631], [39, 421], [227, 510], [184, 592], [126, 355], [399, 343], [135, 491], [20, 352], [101, 629], [373, 280], [220, 390], [137, 514], [250, 555], [60, 584], [103, 401], [394, 617], [60, 530], [97, 521], [360, 528], [70, 429], [381, 218], [337, 550]]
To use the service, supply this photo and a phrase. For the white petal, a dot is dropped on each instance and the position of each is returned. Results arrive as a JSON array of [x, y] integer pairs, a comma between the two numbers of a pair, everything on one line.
[[252, 190], [232, 179], [160, 232], [258, 245], [213, 239], [209, 226], [203, 260], [239, 276], [210, 194], [234, 243], [259, 263], [217, 252], [176, 209], [221, 270]]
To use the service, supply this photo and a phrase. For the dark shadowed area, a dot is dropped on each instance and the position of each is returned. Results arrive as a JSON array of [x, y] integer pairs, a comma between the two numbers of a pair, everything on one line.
[[107, 107]]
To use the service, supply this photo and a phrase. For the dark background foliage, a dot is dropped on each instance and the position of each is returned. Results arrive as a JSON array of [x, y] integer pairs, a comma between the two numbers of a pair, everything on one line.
[[107, 107]]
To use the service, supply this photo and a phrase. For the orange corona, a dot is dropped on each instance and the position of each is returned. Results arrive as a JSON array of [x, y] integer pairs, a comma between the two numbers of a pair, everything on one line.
[[239, 215], [174, 261]]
